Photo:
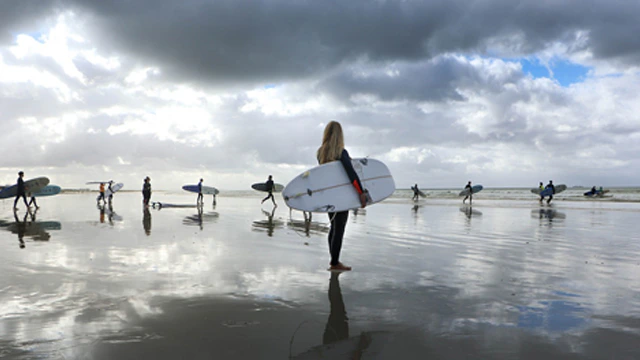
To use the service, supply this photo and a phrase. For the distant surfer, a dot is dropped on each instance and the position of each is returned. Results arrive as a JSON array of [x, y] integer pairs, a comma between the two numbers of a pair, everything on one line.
[[110, 191], [332, 149], [541, 187], [146, 191], [200, 198], [101, 196], [20, 191], [553, 190], [470, 195], [416, 192], [269, 186]]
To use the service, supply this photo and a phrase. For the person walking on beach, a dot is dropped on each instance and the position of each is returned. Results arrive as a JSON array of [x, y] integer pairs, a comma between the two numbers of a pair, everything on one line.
[[20, 191], [553, 190], [146, 191], [541, 187], [110, 191], [332, 149], [101, 196], [416, 192], [32, 200], [269, 185], [470, 196], [200, 198]]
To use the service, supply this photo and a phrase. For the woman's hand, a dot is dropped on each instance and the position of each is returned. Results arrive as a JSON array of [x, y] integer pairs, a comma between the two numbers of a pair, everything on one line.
[[363, 200]]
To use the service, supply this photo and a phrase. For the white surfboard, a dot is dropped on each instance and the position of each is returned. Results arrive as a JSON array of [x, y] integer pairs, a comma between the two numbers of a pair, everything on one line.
[[326, 188], [32, 185], [114, 189]]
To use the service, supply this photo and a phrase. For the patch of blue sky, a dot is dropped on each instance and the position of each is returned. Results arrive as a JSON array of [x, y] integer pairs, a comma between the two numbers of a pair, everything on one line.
[[563, 71], [269, 86], [37, 36]]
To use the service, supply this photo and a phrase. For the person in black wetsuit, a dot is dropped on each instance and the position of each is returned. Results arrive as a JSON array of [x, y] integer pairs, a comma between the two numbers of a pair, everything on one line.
[[553, 190], [416, 192], [470, 196], [146, 191], [32, 200], [269, 185], [332, 149], [20, 192], [200, 198]]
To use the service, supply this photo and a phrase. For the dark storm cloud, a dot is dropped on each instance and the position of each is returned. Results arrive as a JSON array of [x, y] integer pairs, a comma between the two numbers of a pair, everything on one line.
[[23, 16], [232, 40], [436, 80]]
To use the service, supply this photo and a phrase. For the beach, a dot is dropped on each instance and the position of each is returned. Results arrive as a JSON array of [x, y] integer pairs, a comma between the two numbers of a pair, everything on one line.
[[506, 278]]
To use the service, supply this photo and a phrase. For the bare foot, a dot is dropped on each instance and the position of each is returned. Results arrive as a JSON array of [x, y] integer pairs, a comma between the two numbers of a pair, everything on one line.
[[339, 267]]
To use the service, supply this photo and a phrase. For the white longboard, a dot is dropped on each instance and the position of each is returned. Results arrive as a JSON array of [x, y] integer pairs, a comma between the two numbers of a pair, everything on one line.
[[326, 188]]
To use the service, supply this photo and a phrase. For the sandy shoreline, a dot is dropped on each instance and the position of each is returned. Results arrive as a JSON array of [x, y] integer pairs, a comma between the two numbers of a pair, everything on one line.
[[503, 279]]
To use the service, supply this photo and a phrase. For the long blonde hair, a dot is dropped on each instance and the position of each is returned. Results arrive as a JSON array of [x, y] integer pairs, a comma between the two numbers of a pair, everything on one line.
[[332, 143]]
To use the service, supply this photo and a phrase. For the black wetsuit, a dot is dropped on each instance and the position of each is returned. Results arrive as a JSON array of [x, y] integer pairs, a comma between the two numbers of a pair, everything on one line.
[[146, 192], [470, 196], [416, 193], [200, 197], [339, 219], [20, 192], [269, 185], [553, 191]]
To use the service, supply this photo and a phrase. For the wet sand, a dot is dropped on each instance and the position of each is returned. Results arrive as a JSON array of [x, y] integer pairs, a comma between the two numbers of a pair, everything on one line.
[[504, 279]]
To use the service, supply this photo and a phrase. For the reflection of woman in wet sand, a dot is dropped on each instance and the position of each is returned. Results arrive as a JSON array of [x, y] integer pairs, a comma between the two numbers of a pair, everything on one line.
[[337, 324]]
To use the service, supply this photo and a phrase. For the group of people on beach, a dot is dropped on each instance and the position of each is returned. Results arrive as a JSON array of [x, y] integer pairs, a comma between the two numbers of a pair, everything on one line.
[[101, 195], [416, 191], [331, 149]]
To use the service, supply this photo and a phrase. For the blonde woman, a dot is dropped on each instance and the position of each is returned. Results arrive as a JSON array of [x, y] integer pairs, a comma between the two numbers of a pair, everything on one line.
[[332, 149]]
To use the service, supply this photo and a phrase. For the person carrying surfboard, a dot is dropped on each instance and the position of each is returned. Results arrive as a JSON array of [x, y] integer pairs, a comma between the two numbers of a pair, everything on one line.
[[269, 186], [553, 190], [470, 196], [200, 198], [416, 192], [332, 149], [20, 191], [110, 191]]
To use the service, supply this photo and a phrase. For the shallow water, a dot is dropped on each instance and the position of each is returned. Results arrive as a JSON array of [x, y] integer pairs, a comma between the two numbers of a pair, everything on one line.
[[504, 279]]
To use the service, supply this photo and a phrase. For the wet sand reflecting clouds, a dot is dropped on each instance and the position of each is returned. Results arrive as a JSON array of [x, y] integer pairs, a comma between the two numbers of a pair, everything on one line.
[[504, 279]]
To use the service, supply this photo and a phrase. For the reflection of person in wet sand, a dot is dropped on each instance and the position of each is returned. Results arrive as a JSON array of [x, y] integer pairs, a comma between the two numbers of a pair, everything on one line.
[[21, 228], [270, 225], [146, 221], [337, 324], [200, 210], [101, 208], [110, 212]]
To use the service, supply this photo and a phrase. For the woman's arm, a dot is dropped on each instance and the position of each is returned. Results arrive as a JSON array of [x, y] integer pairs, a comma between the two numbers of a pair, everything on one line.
[[345, 159]]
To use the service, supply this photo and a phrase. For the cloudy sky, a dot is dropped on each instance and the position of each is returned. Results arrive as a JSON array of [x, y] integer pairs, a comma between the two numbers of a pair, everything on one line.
[[500, 92]]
